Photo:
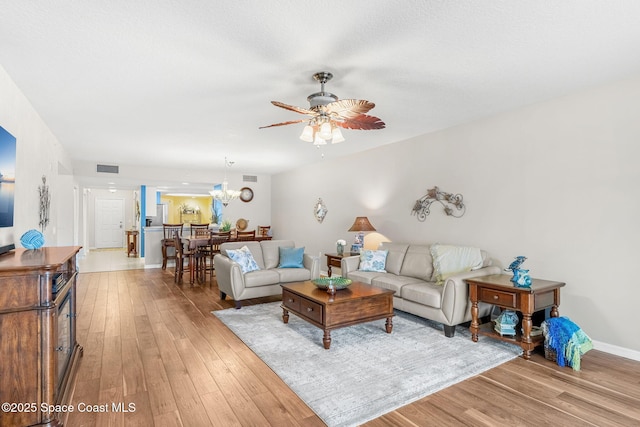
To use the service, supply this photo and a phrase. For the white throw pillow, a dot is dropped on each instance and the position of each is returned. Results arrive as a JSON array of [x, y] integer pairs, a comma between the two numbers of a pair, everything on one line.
[[449, 260], [243, 257], [373, 260]]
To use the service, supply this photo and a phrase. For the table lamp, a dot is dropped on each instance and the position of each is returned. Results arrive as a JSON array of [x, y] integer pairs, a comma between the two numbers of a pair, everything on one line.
[[360, 225]]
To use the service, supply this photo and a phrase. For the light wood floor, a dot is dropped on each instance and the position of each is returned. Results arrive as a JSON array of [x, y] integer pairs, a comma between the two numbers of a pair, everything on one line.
[[154, 344]]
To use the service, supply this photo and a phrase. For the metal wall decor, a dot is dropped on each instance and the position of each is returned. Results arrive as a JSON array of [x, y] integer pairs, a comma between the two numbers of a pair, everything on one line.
[[452, 204], [320, 211], [45, 202]]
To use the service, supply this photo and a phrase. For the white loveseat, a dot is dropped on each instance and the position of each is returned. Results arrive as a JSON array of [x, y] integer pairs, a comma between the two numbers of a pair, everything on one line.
[[266, 280], [411, 274]]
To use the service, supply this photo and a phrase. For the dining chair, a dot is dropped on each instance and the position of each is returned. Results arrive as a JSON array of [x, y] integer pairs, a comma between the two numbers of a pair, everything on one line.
[[212, 249], [246, 235], [196, 229], [168, 241], [181, 255]]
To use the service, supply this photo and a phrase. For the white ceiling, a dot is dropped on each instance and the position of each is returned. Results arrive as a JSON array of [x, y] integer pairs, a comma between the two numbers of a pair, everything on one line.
[[184, 83]]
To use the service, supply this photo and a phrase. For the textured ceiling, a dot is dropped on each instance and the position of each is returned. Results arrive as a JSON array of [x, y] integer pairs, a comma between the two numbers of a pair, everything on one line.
[[184, 83]]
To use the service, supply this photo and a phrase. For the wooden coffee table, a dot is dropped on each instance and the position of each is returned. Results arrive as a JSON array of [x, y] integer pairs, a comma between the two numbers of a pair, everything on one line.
[[358, 303]]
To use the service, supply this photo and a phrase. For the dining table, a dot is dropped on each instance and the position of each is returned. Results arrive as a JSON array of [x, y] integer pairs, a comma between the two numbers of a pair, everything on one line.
[[192, 242]]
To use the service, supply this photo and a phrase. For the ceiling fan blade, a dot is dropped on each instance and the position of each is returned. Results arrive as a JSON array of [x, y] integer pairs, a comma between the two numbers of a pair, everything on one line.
[[362, 122], [294, 108], [348, 108], [283, 123]]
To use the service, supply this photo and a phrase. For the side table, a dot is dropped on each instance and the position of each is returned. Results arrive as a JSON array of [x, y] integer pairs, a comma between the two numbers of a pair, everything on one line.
[[498, 290], [132, 242], [334, 260]]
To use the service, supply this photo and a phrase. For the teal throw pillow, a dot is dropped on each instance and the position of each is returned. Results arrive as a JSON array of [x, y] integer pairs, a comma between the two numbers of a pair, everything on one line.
[[243, 257], [373, 260], [291, 257]]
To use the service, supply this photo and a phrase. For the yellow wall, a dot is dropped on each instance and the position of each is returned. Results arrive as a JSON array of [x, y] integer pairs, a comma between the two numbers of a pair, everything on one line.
[[203, 204]]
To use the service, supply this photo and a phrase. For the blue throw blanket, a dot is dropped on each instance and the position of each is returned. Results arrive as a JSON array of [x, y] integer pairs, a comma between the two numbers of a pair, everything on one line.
[[568, 341]]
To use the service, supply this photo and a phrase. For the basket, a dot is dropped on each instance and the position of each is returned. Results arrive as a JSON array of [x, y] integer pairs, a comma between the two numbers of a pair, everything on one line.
[[550, 353]]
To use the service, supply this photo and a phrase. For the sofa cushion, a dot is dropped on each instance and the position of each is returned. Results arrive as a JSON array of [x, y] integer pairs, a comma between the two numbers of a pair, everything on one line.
[[293, 274], [425, 293], [373, 260], [393, 282], [254, 247], [364, 276], [291, 257], [449, 260], [395, 256], [271, 251], [261, 278], [418, 263], [243, 257]]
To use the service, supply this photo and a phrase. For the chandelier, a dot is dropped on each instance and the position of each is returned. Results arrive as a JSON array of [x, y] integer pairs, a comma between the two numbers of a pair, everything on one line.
[[225, 195]]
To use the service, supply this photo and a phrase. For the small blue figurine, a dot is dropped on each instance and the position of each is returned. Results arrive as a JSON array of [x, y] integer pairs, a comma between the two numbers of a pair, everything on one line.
[[520, 277], [516, 264]]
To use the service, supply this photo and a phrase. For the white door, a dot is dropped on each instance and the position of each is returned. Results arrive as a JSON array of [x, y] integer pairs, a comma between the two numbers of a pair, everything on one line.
[[109, 223]]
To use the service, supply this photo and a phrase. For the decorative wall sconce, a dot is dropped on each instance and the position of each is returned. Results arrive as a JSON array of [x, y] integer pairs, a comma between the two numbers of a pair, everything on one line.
[[320, 211], [452, 204]]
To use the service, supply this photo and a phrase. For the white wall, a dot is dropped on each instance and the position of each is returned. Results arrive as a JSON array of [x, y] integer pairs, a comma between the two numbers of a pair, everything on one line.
[[556, 182], [38, 153]]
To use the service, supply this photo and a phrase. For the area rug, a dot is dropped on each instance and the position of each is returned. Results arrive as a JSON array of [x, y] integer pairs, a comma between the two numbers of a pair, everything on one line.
[[366, 372]]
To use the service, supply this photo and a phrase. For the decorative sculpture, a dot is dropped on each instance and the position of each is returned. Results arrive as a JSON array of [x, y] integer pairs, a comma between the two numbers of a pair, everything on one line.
[[520, 277], [452, 204], [45, 202], [32, 239]]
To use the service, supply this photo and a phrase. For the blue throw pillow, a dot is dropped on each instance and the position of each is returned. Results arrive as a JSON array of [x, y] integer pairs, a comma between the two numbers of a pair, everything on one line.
[[291, 257], [373, 260], [243, 257]]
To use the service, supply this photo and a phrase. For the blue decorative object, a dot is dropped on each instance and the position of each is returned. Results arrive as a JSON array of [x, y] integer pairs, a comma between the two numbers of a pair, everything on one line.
[[32, 239], [520, 277], [516, 264], [506, 323]]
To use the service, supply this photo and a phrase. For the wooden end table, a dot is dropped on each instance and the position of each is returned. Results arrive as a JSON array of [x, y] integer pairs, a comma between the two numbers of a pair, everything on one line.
[[359, 303], [132, 243], [498, 290], [334, 260]]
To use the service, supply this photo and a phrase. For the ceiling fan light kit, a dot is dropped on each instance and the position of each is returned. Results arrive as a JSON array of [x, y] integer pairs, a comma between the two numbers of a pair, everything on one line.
[[328, 114]]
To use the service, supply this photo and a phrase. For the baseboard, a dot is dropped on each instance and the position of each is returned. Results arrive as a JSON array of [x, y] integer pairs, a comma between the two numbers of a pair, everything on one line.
[[616, 350], [153, 266]]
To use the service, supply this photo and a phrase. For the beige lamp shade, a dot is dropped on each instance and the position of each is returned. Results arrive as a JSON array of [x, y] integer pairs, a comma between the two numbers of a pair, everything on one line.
[[362, 224]]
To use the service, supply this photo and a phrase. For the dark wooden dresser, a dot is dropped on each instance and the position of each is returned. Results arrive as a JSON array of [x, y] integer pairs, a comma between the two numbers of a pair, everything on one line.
[[38, 347]]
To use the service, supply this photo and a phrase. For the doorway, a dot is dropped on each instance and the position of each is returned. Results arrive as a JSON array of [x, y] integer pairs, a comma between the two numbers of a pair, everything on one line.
[[109, 223]]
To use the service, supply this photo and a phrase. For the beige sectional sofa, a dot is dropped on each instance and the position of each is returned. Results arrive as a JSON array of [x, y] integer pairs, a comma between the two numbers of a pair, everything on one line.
[[266, 280], [410, 273]]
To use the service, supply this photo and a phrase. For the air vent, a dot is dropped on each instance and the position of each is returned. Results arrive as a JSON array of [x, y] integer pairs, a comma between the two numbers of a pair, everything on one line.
[[249, 178], [108, 169]]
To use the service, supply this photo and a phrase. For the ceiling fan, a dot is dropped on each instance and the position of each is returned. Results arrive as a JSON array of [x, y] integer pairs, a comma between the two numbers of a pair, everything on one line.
[[327, 115]]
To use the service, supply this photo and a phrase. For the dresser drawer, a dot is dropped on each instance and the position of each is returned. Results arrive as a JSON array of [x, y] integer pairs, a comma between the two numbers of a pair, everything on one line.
[[501, 298], [311, 310], [291, 300]]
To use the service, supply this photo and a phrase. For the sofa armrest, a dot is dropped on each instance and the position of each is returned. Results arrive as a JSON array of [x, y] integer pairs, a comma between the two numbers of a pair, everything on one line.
[[455, 295], [312, 263], [229, 276], [349, 264]]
